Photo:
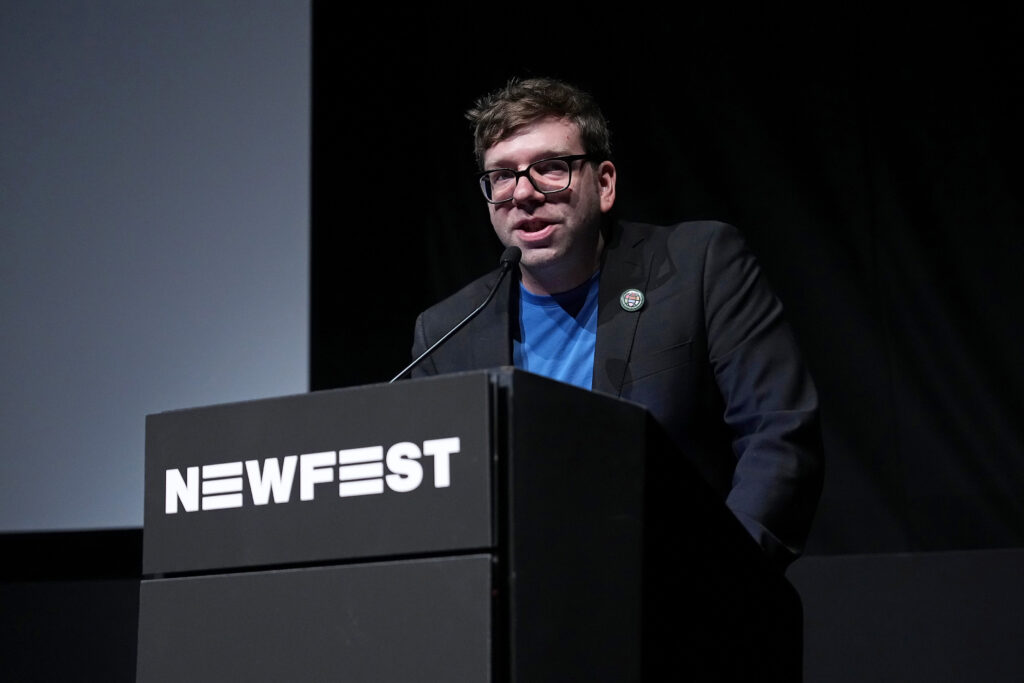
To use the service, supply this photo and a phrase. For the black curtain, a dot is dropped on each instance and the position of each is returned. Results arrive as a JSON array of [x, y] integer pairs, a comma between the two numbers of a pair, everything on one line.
[[870, 160]]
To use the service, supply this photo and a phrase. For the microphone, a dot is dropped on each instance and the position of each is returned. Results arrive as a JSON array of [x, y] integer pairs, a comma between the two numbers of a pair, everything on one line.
[[509, 260]]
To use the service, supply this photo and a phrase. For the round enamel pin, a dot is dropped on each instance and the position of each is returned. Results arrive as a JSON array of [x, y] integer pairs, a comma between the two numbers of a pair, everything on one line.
[[631, 300]]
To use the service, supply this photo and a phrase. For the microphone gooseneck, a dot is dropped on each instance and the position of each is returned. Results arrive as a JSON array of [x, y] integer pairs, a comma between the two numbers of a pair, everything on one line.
[[509, 259]]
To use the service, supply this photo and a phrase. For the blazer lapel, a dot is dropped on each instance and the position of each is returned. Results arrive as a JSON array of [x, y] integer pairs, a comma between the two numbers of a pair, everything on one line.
[[492, 331], [625, 267]]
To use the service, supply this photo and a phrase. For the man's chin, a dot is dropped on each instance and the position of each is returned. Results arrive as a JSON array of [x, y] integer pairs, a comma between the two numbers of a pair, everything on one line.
[[539, 258]]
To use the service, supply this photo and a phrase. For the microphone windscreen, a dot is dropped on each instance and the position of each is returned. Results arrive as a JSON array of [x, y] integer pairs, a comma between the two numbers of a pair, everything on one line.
[[511, 256]]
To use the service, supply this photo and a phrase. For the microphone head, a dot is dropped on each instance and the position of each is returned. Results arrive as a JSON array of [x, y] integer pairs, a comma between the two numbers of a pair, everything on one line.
[[511, 256]]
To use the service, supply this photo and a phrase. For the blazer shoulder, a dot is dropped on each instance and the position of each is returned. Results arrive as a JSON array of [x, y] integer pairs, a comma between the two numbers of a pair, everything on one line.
[[631, 232], [690, 242]]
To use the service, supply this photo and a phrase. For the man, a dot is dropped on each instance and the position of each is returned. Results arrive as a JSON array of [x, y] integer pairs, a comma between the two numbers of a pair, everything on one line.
[[677, 318]]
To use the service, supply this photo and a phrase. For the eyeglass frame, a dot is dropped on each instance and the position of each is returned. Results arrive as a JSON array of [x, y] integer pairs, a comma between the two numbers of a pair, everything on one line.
[[568, 158]]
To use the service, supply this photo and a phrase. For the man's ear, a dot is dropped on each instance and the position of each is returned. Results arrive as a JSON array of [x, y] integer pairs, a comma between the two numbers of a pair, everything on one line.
[[606, 185]]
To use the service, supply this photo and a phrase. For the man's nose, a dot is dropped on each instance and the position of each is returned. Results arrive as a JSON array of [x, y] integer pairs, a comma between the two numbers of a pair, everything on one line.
[[525, 191]]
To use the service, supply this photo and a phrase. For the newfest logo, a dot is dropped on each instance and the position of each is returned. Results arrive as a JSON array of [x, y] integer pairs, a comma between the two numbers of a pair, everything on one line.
[[360, 472]]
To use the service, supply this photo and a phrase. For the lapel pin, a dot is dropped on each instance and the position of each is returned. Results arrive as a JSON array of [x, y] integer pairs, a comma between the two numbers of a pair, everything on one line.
[[631, 300]]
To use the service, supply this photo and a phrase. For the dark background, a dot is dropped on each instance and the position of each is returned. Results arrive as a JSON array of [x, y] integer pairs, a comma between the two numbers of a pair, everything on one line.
[[869, 158]]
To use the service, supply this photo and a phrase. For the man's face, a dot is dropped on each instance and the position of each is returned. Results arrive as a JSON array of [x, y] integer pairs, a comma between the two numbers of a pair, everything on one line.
[[558, 233]]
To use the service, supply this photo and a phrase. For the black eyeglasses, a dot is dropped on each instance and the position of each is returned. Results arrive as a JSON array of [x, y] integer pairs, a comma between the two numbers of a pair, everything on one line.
[[547, 177]]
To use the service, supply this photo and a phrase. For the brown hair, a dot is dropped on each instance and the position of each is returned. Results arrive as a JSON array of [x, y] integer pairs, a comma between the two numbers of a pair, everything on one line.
[[501, 113]]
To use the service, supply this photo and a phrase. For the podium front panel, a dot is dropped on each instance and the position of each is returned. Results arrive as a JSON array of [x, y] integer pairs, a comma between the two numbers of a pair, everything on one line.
[[371, 472], [416, 620]]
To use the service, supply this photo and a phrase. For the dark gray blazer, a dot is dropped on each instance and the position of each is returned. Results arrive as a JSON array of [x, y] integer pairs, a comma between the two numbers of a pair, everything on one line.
[[708, 354]]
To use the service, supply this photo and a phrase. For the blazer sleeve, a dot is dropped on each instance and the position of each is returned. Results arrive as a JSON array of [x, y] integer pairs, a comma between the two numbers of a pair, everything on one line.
[[771, 404]]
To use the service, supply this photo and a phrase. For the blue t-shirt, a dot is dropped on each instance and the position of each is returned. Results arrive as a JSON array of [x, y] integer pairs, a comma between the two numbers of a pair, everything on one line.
[[557, 334]]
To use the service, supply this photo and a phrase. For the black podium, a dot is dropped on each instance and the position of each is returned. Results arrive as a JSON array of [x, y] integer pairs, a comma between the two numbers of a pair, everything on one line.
[[485, 526]]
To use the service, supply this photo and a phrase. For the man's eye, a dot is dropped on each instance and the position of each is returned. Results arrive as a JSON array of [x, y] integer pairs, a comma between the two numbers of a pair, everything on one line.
[[551, 169], [499, 177]]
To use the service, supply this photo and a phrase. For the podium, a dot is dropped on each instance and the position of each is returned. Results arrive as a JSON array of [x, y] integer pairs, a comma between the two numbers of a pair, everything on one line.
[[482, 526]]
